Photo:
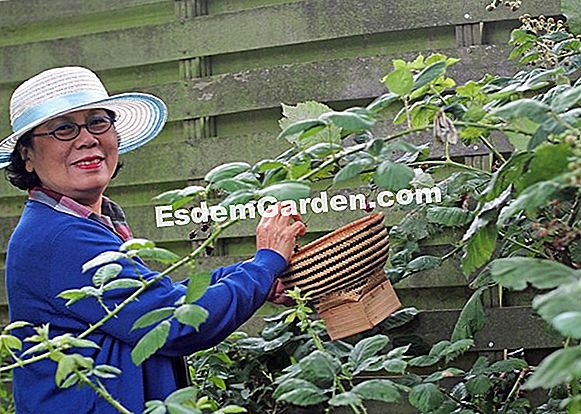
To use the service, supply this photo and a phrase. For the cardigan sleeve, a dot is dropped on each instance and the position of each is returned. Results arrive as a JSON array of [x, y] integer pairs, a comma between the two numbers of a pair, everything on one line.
[[236, 292]]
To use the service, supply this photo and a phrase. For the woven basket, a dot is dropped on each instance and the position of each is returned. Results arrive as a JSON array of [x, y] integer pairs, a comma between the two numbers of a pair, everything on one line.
[[343, 273]]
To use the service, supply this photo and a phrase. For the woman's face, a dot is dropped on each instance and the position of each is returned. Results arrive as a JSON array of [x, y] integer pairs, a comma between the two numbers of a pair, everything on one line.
[[80, 168]]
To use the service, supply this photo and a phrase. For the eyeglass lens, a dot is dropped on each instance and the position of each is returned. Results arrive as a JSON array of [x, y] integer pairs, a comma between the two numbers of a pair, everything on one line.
[[70, 130]]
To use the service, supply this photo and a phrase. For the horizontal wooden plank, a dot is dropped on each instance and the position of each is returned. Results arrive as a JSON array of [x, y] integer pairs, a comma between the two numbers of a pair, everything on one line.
[[23, 12], [506, 328], [326, 81], [291, 23]]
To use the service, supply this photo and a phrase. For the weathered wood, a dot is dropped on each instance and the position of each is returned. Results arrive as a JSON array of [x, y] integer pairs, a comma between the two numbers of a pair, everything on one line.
[[326, 81], [22, 12], [289, 24]]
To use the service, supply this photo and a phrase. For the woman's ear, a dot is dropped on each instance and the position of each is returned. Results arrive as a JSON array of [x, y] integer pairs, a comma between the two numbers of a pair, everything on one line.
[[25, 154]]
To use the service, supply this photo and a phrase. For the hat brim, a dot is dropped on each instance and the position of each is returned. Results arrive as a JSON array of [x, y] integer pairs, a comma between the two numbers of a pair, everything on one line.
[[140, 118]]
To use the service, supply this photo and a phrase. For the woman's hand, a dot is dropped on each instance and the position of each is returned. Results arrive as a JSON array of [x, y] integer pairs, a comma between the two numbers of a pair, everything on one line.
[[278, 233]]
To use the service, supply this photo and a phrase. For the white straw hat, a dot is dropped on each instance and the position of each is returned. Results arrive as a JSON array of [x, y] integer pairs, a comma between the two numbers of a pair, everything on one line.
[[140, 117]]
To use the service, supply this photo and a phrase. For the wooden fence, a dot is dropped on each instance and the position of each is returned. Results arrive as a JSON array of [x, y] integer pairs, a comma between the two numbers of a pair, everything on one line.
[[224, 67]]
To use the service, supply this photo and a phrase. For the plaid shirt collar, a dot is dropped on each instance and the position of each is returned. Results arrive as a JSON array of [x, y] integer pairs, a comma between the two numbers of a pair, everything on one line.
[[111, 216]]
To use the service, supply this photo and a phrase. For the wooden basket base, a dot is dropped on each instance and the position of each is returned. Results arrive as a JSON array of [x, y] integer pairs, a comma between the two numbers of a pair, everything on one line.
[[355, 317]]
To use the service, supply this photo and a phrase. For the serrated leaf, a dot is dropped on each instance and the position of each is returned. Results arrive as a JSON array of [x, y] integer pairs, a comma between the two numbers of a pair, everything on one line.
[[106, 273], [238, 197], [533, 197], [383, 102], [566, 99], [472, 317], [104, 258], [150, 343], [197, 286], [426, 397], [542, 274], [319, 366], [561, 367], [136, 244], [353, 169], [72, 296], [308, 111], [299, 392], [122, 284], [399, 318], [66, 366], [152, 317], [422, 263], [10, 342], [158, 254], [349, 122], [378, 389], [397, 366], [399, 81], [479, 249], [345, 398], [192, 315], [367, 347], [228, 170], [568, 324], [508, 365], [523, 108], [393, 176], [431, 72], [423, 361], [478, 385], [449, 216], [447, 373], [286, 191]]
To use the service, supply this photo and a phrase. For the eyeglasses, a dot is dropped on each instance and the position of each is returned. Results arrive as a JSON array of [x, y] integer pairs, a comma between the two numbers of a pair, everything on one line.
[[67, 131]]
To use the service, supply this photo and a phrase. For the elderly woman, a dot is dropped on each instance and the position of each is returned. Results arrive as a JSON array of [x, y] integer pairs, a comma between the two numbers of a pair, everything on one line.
[[68, 134]]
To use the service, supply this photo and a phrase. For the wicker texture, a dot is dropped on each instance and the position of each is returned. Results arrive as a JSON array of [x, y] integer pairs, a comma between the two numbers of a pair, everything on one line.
[[342, 262]]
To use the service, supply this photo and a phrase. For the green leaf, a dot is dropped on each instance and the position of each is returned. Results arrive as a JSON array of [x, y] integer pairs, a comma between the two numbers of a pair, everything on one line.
[[367, 347], [192, 315], [136, 244], [106, 273], [568, 324], [542, 274], [422, 263], [430, 73], [426, 397], [300, 127], [152, 317], [563, 299], [174, 408], [447, 373], [231, 409], [228, 170], [309, 111], [349, 121], [319, 366], [456, 349], [231, 185], [478, 385], [549, 161], [104, 258], [508, 365], [399, 318], [533, 197], [561, 367], [423, 361], [150, 343], [353, 169], [10, 342], [566, 99], [397, 366], [471, 319], [400, 81], [106, 371], [197, 286], [479, 249], [449, 216], [393, 176], [299, 392], [72, 296], [16, 325], [572, 11], [267, 165], [66, 366], [286, 191], [345, 398], [123, 284], [182, 395], [158, 254], [383, 102], [378, 389], [238, 197], [523, 108]]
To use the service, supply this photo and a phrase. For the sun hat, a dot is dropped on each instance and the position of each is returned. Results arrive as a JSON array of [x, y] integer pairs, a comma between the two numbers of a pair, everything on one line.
[[54, 92]]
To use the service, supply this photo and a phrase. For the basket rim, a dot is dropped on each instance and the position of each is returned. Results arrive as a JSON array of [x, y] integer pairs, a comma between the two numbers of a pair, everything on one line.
[[379, 216]]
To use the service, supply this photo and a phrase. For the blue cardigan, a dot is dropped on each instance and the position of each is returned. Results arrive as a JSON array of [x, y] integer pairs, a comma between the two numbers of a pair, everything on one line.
[[45, 255]]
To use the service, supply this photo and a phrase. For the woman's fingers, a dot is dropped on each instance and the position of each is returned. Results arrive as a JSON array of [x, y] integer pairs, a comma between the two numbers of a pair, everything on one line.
[[276, 232]]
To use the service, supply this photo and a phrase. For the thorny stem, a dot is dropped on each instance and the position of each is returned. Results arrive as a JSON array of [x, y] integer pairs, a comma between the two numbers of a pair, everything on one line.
[[488, 126], [451, 163], [103, 393], [451, 253], [130, 298], [496, 153], [514, 390], [524, 246]]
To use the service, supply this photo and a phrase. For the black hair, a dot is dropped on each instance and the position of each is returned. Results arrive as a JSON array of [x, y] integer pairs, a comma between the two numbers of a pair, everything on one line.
[[16, 172]]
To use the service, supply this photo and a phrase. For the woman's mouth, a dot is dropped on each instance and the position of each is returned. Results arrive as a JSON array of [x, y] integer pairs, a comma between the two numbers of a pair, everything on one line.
[[89, 163]]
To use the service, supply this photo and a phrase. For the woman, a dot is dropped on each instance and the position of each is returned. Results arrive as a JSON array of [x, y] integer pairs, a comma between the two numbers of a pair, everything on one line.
[[68, 133]]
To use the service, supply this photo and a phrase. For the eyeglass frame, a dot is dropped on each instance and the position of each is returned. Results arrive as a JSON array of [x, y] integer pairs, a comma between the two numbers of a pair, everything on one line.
[[79, 126]]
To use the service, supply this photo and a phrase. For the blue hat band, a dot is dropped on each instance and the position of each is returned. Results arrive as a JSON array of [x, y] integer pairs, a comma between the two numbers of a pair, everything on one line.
[[55, 106]]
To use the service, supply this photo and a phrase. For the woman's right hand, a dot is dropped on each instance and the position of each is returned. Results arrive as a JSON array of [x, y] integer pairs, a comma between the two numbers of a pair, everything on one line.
[[280, 231]]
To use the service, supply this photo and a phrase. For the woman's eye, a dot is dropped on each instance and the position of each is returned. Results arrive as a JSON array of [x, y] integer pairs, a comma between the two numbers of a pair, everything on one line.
[[64, 128]]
